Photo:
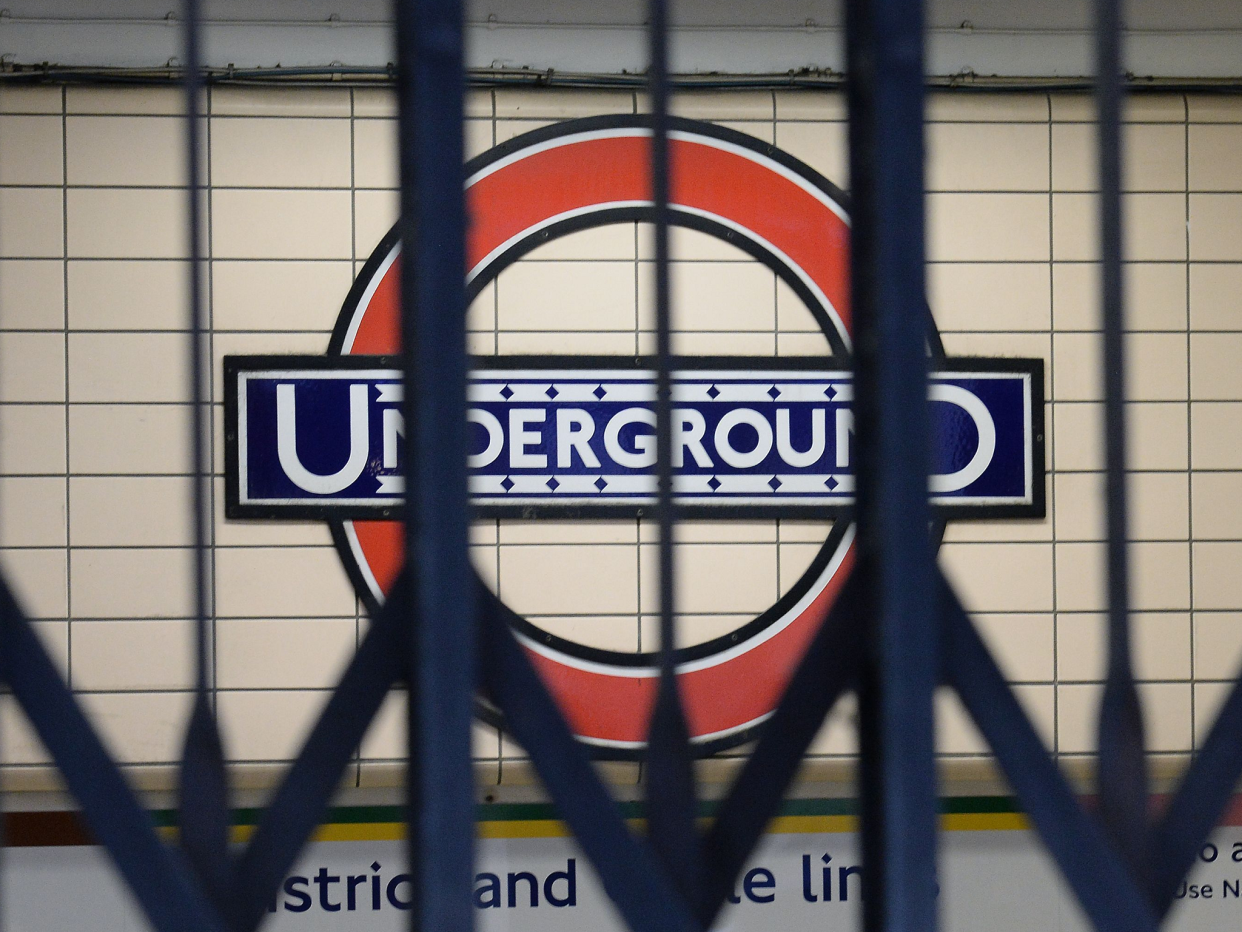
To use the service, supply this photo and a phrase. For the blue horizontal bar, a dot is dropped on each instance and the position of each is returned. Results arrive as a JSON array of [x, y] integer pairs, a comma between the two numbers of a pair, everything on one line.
[[330, 439]]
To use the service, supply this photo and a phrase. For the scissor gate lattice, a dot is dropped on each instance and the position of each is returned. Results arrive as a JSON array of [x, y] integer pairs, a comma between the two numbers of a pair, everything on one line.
[[896, 632]]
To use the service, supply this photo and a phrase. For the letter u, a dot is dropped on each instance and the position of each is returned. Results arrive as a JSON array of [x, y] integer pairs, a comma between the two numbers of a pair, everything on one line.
[[287, 443]]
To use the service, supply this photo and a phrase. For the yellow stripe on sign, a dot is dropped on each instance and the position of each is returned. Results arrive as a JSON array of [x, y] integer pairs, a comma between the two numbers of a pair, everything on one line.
[[984, 822], [361, 831], [812, 824]]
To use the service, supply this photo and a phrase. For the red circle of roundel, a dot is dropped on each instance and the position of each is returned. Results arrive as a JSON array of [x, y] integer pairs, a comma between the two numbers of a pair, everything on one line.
[[555, 180]]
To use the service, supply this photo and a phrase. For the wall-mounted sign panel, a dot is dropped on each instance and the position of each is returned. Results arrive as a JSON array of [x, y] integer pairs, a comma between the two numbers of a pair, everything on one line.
[[308, 438]]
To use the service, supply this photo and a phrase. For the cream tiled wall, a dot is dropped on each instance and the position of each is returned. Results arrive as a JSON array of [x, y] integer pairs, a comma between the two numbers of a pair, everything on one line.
[[93, 423]]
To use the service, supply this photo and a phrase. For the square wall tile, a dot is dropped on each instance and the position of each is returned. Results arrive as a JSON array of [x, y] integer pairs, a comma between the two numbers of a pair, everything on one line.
[[39, 581], [130, 511], [31, 150], [728, 578], [280, 153], [1218, 585], [1155, 371], [19, 742], [1213, 297], [987, 228], [32, 367], [1153, 157], [1213, 163], [141, 727], [992, 296], [1216, 435], [32, 294], [1154, 227], [1216, 366], [128, 367], [727, 296], [566, 296], [1215, 227], [32, 439], [1166, 713], [1159, 506], [1217, 505], [268, 725], [1209, 697], [136, 439], [563, 579], [1160, 576], [1000, 577], [32, 223], [132, 583], [275, 582], [140, 223], [128, 294], [1157, 436], [1155, 296], [987, 157], [135, 151], [267, 224], [33, 511], [1161, 643], [133, 656], [303, 653], [1022, 643], [1218, 645], [278, 295]]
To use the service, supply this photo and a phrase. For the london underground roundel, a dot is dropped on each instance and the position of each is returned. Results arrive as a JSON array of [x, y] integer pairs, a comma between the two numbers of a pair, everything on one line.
[[571, 436]]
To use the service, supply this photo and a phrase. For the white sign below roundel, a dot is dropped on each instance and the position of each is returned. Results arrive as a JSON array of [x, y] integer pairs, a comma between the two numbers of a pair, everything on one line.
[[989, 881]]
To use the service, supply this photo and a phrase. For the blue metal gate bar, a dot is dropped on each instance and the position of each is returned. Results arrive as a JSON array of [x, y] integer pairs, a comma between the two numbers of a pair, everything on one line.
[[440, 777], [1105, 888], [168, 894], [895, 653], [299, 805], [1122, 763], [829, 668], [884, 40], [671, 807], [203, 790], [635, 880]]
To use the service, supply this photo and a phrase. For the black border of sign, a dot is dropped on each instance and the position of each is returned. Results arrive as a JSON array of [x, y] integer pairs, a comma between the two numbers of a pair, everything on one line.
[[234, 509]]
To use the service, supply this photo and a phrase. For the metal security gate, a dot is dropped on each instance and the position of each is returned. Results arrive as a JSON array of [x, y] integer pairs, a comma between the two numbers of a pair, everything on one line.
[[896, 631]]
